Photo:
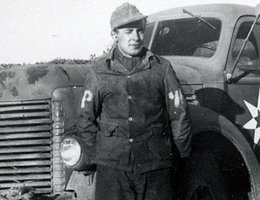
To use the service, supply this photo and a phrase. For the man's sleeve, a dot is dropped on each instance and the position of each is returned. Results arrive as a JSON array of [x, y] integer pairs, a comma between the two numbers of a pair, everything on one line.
[[88, 112], [178, 113]]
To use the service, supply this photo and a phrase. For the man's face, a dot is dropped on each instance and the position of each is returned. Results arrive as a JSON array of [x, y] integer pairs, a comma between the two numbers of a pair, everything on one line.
[[129, 38]]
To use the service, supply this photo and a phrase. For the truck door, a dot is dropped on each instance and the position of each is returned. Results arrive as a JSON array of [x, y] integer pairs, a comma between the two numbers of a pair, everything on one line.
[[244, 86]]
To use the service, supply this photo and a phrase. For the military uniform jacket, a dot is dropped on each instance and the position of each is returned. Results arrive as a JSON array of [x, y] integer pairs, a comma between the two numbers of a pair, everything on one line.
[[132, 120]]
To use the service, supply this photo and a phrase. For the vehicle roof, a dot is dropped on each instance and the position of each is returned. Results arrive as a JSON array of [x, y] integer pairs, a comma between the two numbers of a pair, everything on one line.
[[226, 11]]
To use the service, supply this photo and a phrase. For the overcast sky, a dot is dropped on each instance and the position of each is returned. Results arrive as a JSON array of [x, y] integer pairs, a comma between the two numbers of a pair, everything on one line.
[[42, 30]]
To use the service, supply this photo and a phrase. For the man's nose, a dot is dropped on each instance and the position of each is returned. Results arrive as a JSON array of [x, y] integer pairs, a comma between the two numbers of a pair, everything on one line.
[[135, 34]]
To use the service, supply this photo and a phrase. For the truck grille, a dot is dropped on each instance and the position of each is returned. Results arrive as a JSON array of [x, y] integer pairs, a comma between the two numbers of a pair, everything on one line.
[[26, 145]]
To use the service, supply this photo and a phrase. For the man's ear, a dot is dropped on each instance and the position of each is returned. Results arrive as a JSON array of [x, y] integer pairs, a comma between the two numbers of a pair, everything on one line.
[[114, 35]]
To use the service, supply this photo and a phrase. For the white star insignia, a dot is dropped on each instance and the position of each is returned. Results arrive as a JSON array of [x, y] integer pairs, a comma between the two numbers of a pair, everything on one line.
[[252, 123]]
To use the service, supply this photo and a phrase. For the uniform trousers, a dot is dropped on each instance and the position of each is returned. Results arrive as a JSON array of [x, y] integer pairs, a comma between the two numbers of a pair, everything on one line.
[[114, 184]]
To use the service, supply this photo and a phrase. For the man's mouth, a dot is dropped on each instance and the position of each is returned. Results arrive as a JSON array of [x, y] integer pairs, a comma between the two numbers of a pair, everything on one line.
[[135, 45]]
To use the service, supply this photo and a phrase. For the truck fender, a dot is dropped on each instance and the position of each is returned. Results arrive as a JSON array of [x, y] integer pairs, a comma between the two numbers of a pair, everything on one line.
[[206, 120]]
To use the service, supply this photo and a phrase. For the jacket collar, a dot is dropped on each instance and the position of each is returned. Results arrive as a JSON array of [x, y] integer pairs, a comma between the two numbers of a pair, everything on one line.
[[115, 66]]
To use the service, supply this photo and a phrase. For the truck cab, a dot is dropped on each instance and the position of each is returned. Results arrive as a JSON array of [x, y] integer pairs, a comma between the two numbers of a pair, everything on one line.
[[214, 50]]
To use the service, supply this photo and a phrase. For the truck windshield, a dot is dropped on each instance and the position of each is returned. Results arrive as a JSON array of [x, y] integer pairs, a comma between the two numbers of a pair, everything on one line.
[[187, 37]]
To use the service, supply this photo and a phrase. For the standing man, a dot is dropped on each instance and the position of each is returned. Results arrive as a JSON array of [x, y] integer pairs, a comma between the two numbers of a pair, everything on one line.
[[133, 115]]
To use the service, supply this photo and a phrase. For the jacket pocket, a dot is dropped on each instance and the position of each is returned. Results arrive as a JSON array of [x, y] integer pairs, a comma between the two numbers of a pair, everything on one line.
[[160, 143], [109, 128]]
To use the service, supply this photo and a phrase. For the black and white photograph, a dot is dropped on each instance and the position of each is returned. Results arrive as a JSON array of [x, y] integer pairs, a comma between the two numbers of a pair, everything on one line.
[[129, 100]]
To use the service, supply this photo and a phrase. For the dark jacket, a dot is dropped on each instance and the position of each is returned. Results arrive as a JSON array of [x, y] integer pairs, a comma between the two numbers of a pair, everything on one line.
[[133, 120]]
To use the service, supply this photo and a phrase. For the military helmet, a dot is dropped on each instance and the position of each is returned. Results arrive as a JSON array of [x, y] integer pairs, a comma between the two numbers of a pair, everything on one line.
[[125, 14]]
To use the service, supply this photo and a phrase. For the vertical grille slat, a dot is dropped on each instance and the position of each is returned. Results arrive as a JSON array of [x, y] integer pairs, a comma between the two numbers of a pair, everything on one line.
[[26, 145]]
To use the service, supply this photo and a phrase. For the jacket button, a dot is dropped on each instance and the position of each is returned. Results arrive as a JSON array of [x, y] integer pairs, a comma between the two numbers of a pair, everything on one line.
[[131, 140], [130, 119]]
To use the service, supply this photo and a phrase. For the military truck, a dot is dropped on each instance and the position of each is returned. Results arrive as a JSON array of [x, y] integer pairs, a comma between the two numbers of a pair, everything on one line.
[[214, 50]]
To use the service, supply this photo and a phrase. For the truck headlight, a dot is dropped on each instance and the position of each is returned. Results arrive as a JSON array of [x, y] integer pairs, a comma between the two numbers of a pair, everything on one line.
[[70, 151]]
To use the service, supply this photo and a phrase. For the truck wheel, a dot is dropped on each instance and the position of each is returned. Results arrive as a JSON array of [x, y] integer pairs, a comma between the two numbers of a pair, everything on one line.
[[203, 179], [202, 192], [215, 170]]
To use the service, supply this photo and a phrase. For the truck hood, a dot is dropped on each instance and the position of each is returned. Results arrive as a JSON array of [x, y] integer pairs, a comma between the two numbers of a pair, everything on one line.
[[76, 73], [37, 81]]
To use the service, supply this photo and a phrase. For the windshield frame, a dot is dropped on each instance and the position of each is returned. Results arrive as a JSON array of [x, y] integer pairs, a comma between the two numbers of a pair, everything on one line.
[[226, 25], [205, 47]]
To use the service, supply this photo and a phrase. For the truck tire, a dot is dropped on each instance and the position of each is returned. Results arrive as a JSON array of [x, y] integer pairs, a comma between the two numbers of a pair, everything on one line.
[[215, 170], [203, 179]]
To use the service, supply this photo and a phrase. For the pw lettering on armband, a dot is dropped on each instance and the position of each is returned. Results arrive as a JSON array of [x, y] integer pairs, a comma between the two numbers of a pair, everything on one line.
[[88, 96]]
